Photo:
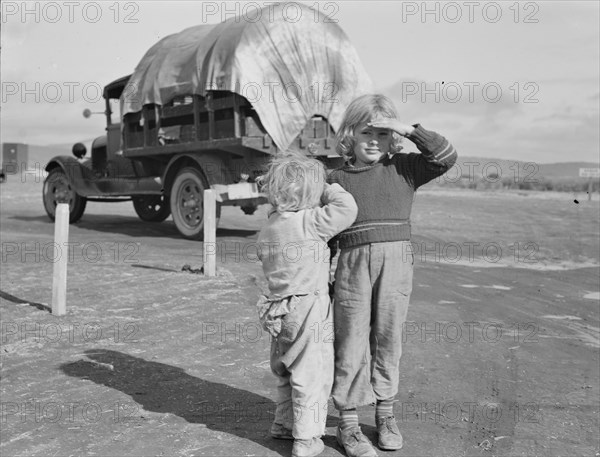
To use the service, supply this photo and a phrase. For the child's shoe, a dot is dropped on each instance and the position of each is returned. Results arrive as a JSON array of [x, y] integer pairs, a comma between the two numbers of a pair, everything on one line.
[[355, 443], [308, 448], [279, 432], [390, 438]]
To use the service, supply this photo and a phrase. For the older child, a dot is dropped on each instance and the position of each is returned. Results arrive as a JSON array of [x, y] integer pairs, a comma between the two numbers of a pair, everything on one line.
[[375, 267], [307, 212]]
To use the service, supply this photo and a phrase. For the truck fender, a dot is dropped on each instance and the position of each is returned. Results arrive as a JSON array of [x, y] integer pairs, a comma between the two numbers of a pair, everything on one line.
[[214, 169], [74, 170]]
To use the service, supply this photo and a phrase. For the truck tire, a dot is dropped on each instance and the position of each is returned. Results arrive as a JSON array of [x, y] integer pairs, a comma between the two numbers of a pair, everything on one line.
[[187, 203], [151, 208], [57, 188]]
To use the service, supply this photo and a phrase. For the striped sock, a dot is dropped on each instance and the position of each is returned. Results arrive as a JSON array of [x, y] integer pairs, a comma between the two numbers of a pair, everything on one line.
[[348, 419], [384, 408]]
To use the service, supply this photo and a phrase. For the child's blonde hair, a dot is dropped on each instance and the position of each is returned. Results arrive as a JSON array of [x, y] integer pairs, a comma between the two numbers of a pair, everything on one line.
[[363, 109], [293, 182]]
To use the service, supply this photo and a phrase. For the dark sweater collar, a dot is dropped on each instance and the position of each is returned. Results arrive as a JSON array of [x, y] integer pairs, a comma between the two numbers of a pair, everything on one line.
[[385, 160]]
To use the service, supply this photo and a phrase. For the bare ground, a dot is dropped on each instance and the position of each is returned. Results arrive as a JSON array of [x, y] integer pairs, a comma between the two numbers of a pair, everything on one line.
[[501, 355]]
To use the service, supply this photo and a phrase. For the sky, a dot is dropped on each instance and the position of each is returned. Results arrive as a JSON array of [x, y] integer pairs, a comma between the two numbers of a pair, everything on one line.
[[508, 80]]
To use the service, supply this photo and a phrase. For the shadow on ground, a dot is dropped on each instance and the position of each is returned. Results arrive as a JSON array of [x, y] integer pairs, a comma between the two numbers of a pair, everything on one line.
[[163, 388], [20, 301]]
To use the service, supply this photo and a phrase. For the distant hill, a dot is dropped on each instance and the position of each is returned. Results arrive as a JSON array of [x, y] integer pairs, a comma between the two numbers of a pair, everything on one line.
[[474, 167], [564, 170]]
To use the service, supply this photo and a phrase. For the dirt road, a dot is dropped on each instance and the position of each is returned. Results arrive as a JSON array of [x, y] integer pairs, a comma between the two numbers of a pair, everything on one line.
[[501, 348]]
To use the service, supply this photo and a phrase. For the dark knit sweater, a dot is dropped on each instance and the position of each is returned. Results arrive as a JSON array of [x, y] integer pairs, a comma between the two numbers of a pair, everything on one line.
[[384, 191]]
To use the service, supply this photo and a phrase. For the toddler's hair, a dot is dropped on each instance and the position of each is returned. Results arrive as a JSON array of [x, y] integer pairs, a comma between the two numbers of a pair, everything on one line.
[[363, 109], [293, 182]]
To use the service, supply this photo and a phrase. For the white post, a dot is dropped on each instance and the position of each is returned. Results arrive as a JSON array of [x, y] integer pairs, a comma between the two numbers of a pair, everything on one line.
[[59, 278], [210, 233]]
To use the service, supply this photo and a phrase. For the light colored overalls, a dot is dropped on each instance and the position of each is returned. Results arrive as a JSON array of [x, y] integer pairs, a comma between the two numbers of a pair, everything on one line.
[[297, 308]]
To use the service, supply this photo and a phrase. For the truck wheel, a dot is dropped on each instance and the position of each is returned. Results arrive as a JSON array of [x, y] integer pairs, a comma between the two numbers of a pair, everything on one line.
[[187, 203], [57, 189], [151, 208]]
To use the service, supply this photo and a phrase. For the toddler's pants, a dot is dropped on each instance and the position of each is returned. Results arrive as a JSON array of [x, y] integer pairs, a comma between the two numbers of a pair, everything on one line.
[[302, 361]]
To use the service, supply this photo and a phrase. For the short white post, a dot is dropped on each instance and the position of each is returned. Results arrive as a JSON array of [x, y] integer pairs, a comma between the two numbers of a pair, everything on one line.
[[210, 233], [59, 278]]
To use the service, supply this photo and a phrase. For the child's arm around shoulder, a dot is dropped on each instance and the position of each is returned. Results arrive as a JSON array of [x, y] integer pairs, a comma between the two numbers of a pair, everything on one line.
[[338, 212]]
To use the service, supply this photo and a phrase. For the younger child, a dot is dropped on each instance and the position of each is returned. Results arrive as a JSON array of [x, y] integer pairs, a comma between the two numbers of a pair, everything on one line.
[[307, 212], [373, 280]]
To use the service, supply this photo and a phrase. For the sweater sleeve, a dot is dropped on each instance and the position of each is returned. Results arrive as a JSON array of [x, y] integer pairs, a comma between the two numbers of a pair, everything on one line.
[[436, 158], [337, 214], [333, 177]]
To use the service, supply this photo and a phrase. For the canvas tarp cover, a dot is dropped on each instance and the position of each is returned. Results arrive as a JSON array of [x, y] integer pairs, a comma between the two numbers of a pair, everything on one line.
[[290, 66]]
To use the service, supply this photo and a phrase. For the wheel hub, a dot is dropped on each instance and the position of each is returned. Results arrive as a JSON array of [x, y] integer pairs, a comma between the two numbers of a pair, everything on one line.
[[190, 204], [62, 196]]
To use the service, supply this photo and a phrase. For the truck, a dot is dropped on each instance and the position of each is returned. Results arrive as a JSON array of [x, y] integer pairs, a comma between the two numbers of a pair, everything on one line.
[[207, 108]]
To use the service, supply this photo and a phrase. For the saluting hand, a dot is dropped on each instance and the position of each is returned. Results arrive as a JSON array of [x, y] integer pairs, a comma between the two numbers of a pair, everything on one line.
[[392, 124]]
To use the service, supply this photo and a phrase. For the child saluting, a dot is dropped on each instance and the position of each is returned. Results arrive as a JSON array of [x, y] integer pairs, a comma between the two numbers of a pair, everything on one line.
[[373, 281]]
